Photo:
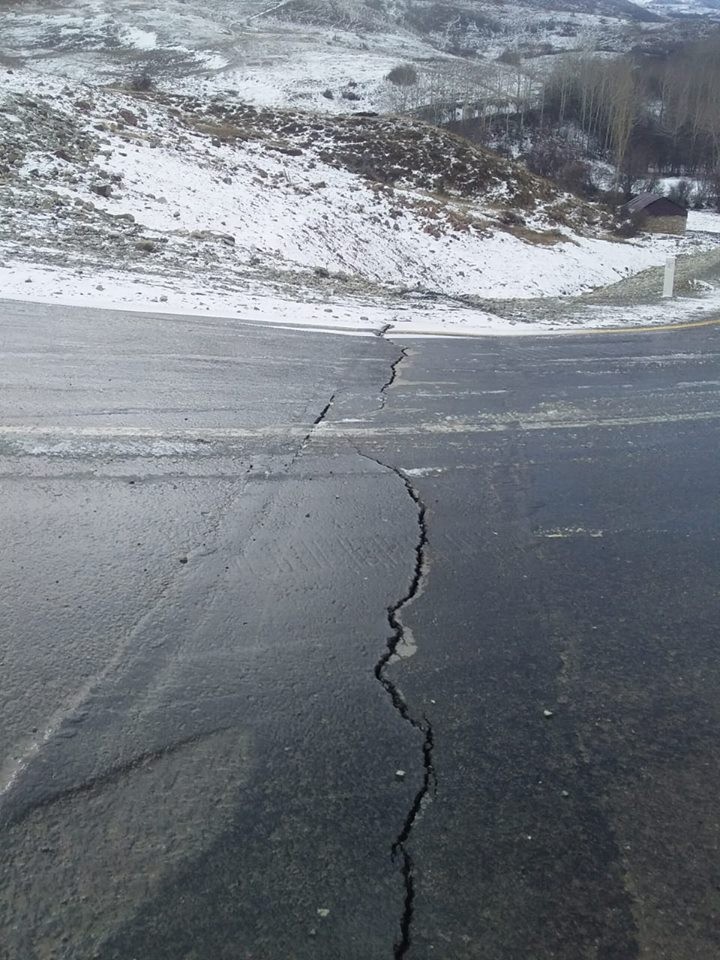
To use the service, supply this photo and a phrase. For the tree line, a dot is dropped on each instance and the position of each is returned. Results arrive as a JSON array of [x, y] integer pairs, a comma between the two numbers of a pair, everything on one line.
[[644, 116]]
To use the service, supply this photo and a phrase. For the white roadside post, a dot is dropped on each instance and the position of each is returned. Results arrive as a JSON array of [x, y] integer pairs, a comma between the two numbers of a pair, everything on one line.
[[669, 282]]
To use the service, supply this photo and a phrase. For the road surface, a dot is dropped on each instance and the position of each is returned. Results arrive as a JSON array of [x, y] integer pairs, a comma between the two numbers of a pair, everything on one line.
[[332, 647]]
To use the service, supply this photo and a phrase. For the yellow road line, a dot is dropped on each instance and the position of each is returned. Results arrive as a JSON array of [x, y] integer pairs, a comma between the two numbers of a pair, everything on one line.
[[400, 334], [653, 327]]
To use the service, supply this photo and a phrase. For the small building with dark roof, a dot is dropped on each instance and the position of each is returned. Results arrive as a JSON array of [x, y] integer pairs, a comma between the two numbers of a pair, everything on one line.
[[657, 214]]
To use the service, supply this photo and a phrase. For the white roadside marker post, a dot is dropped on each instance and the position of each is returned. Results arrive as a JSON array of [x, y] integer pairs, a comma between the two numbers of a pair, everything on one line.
[[669, 281]]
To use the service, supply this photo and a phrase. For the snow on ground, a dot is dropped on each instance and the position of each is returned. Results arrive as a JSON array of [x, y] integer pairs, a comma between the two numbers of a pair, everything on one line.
[[703, 221], [344, 226], [112, 290], [285, 207], [212, 47], [257, 49], [137, 39], [115, 291], [681, 8], [282, 66], [679, 310], [154, 211]]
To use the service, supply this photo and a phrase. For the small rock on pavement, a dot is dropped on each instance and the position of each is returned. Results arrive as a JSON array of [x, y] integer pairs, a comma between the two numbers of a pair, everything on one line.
[[399, 774], [548, 714]]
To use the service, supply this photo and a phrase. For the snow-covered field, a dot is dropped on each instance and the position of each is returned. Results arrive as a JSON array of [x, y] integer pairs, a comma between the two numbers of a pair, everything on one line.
[[703, 221]]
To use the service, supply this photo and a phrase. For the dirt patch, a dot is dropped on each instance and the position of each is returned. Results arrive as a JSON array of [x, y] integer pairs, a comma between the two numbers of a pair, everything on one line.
[[226, 132], [539, 239]]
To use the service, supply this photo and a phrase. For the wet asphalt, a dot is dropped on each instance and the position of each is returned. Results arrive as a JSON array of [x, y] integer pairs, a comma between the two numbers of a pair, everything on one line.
[[320, 647]]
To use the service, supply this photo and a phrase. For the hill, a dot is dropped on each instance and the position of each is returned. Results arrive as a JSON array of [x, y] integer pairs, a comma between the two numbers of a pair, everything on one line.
[[321, 54], [201, 156], [210, 196]]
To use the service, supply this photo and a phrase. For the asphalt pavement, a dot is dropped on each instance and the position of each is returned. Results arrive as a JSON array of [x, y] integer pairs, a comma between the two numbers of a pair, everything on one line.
[[320, 646]]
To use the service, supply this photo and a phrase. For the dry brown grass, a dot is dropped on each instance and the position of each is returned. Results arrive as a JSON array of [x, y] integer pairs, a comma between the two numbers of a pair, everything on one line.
[[538, 238], [227, 132], [393, 153]]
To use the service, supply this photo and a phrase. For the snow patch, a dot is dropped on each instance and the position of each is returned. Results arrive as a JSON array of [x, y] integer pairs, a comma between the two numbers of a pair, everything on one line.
[[138, 39], [703, 221]]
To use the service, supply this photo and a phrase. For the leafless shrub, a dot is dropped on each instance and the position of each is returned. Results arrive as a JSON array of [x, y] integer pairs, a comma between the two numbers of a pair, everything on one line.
[[511, 57], [404, 75], [142, 82]]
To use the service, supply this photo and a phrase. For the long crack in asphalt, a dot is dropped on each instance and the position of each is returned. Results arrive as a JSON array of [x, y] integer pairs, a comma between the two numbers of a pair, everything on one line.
[[391, 380], [397, 639], [399, 850]]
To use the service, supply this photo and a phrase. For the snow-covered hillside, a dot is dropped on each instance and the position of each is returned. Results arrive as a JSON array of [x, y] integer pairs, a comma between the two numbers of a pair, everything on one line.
[[319, 54], [200, 155], [158, 196]]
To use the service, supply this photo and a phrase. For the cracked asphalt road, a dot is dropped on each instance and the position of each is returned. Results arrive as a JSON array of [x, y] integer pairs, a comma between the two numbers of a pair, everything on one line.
[[313, 650]]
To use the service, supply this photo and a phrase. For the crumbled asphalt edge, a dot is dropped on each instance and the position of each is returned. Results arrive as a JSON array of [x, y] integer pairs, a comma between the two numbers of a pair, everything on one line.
[[399, 850]]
